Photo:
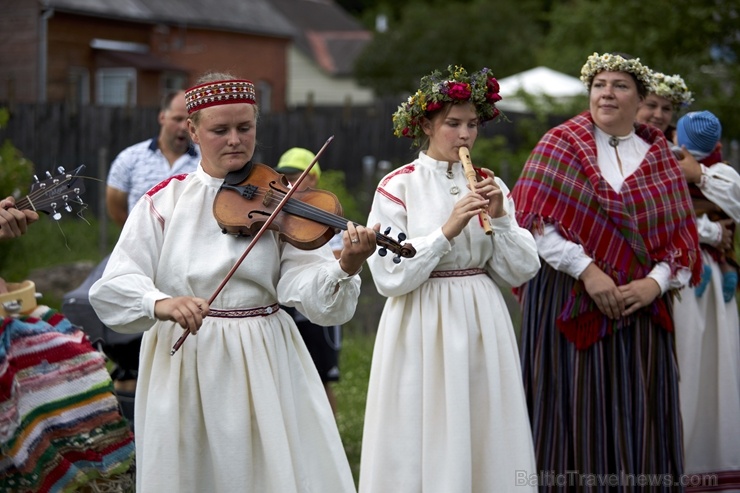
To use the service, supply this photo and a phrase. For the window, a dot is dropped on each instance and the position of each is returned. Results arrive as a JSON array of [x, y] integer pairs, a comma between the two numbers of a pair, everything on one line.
[[78, 86], [264, 96], [172, 81], [115, 87]]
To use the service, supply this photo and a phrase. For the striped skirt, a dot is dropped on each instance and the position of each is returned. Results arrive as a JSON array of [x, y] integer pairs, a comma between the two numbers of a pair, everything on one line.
[[606, 418]]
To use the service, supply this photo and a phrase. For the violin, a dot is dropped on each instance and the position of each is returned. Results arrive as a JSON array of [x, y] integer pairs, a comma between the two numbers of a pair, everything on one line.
[[308, 220], [257, 198]]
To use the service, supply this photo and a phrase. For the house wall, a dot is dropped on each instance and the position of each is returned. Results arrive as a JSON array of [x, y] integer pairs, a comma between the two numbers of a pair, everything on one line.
[[258, 58], [323, 90], [18, 52], [69, 47]]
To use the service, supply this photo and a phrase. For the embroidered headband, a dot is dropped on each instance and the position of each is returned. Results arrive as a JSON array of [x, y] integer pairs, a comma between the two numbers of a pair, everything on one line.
[[673, 88], [479, 88], [219, 92], [615, 63]]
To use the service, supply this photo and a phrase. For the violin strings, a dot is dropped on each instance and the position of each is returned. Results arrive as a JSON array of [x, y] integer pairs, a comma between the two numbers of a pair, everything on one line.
[[311, 211], [324, 216]]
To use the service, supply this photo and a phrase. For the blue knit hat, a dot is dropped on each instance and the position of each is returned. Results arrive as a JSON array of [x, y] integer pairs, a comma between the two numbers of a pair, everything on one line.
[[699, 131]]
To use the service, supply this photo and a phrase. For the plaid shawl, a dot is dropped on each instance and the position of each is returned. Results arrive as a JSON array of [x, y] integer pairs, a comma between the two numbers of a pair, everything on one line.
[[651, 220]]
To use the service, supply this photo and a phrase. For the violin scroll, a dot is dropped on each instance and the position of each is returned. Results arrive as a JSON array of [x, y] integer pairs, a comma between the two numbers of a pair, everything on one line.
[[387, 243]]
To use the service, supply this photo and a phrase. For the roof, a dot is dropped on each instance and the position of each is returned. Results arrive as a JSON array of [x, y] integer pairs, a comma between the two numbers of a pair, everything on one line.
[[327, 33], [248, 16]]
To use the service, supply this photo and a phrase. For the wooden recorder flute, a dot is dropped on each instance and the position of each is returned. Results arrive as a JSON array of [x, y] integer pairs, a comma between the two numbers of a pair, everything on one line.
[[470, 175]]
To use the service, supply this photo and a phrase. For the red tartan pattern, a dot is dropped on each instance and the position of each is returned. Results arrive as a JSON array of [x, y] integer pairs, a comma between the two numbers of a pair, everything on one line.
[[650, 221]]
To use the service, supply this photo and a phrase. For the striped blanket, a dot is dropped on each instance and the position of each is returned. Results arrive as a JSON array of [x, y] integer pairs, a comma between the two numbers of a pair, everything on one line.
[[60, 425]]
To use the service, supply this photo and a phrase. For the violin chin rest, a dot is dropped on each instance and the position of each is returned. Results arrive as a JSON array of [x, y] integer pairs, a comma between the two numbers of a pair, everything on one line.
[[238, 176]]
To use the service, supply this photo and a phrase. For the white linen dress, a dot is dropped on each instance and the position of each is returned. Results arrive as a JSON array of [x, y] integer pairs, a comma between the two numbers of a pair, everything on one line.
[[708, 351], [240, 407], [446, 410]]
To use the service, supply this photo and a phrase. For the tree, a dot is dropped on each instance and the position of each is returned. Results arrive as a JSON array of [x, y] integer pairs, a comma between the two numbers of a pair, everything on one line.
[[432, 35], [698, 40]]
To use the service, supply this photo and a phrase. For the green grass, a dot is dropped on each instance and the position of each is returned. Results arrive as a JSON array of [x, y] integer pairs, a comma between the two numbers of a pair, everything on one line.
[[49, 243], [351, 391]]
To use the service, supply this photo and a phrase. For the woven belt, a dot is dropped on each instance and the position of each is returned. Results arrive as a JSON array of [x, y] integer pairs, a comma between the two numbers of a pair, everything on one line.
[[457, 273], [249, 312]]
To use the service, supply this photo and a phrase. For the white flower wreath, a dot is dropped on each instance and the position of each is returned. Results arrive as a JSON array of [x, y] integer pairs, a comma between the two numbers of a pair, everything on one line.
[[616, 63], [673, 88]]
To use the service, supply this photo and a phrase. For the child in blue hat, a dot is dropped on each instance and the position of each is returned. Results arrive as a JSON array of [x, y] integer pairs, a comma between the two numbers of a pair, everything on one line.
[[698, 133]]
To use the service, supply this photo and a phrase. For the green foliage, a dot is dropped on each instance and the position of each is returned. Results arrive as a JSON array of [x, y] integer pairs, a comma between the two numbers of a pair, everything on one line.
[[334, 182], [470, 34], [699, 41], [15, 170]]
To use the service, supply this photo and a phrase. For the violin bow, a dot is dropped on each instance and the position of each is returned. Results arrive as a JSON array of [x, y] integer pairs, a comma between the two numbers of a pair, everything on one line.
[[257, 236]]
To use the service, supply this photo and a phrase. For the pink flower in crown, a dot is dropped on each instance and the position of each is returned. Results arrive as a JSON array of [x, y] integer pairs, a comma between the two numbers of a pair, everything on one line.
[[433, 106], [459, 90]]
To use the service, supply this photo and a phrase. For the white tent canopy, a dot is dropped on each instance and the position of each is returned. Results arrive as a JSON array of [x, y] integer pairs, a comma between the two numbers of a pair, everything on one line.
[[538, 81]]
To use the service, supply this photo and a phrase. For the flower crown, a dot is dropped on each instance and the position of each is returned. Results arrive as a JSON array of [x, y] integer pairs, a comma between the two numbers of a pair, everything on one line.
[[673, 88], [615, 63], [480, 88]]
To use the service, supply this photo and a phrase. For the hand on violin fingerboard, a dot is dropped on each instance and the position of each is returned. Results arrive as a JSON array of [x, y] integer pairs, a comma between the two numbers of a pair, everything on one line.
[[359, 244]]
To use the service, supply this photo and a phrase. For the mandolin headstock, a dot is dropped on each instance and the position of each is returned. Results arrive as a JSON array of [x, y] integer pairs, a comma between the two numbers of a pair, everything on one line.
[[55, 194]]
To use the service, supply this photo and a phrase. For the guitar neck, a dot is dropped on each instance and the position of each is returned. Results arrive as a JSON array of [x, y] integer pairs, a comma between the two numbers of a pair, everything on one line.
[[24, 203]]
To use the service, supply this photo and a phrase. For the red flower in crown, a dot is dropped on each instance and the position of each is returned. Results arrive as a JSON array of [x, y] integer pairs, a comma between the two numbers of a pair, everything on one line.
[[434, 106], [492, 93], [459, 90]]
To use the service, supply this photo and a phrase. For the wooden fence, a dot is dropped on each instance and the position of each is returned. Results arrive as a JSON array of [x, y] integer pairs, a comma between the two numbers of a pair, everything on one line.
[[58, 134]]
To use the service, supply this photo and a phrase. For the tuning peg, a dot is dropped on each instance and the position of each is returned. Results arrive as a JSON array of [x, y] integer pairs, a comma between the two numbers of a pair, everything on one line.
[[61, 170], [387, 230], [67, 207], [397, 259], [382, 251], [54, 213], [48, 175], [401, 237]]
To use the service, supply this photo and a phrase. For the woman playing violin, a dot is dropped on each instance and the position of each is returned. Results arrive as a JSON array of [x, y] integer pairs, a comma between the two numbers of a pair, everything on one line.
[[446, 409], [240, 406]]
